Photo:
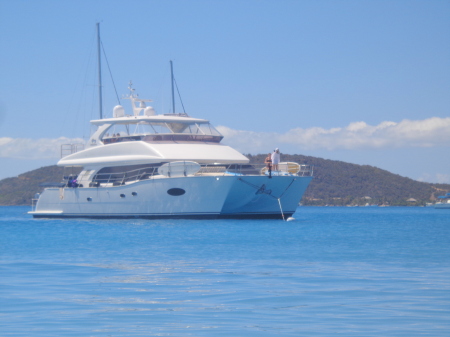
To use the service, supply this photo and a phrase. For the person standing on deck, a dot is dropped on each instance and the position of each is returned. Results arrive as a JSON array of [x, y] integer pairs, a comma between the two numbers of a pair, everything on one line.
[[275, 159], [268, 162]]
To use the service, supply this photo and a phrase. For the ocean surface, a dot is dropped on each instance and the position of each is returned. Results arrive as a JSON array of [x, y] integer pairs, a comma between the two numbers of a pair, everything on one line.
[[362, 271]]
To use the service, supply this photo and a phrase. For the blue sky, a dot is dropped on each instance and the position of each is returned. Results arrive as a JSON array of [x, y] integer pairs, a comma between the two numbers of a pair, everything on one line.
[[366, 82]]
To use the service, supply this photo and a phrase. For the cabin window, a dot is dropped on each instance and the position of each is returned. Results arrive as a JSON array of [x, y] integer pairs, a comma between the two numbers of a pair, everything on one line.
[[119, 175], [208, 129], [161, 131]]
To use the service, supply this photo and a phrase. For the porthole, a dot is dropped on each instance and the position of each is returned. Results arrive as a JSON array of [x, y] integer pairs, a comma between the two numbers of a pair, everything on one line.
[[89, 199], [134, 194], [176, 191], [122, 195]]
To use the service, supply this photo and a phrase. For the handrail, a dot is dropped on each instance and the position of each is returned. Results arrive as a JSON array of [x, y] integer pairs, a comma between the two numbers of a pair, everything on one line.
[[67, 149], [121, 178], [253, 169], [34, 203]]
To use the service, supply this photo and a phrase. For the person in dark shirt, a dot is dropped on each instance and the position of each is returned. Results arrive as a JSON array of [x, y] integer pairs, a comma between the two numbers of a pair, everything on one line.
[[268, 163]]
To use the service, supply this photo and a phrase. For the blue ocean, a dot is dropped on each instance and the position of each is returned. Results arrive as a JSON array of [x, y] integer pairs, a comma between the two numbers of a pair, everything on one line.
[[362, 271]]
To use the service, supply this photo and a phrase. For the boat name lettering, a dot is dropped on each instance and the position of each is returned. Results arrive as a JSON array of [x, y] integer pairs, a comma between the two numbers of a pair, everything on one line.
[[262, 190]]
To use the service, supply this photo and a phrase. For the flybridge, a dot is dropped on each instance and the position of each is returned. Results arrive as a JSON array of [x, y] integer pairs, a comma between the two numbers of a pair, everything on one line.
[[146, 125]]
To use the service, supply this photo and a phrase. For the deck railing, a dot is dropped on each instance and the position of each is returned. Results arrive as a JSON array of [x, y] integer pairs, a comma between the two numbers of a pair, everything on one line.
[[33, 204], [123, 178], [67, 149]]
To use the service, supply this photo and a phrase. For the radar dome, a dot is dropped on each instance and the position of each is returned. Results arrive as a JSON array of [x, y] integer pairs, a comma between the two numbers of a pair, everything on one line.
[[118, 111], [149, 111]]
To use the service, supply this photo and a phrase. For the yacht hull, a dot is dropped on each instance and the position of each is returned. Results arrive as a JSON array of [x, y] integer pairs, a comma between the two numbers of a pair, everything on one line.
[[442, 205], [200, 197]]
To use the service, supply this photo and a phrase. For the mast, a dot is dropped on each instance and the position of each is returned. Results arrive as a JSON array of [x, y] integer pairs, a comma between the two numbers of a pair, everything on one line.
[[99, 72], [173, 96]]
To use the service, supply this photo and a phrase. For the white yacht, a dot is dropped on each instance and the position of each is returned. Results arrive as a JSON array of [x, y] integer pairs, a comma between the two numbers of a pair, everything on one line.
[[145, 165], [149, 165]]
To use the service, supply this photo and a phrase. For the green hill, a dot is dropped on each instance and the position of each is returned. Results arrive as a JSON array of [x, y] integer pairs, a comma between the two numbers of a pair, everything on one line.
[[20, 190], [339, 183], [334, 183]]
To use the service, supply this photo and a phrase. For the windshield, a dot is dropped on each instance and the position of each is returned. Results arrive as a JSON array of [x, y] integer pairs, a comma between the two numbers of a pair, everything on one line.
[[163, 131]]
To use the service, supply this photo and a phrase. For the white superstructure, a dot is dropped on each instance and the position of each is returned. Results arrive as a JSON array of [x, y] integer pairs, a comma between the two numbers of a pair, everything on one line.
[[167, 166]]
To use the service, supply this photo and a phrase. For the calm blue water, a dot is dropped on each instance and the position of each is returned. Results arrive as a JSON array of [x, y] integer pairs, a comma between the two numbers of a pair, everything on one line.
[[347, 271]]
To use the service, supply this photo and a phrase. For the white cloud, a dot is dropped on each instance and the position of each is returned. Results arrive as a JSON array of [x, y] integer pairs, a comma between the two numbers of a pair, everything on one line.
[[440, 178], [25, 148], [429, 132], [443, 178], [432, 132]]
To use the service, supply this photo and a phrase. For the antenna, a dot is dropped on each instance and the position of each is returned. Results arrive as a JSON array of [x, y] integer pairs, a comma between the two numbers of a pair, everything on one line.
[[173, 96], [99, 72]]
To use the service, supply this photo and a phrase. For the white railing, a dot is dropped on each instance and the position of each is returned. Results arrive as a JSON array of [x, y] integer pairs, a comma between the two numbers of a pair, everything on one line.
[[67, 149], [122, 178], [33, 204]]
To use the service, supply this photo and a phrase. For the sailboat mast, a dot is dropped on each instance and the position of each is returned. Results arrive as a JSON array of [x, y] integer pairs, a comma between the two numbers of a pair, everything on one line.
[[173, 96], [99, 72]]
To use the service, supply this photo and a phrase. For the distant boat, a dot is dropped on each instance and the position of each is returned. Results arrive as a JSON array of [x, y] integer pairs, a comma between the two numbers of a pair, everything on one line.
[[444, 203]]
